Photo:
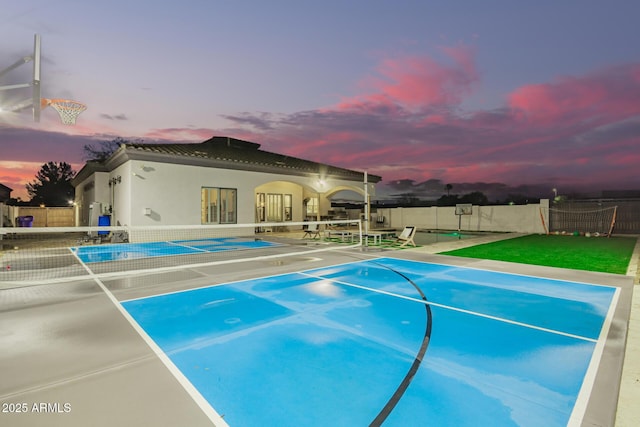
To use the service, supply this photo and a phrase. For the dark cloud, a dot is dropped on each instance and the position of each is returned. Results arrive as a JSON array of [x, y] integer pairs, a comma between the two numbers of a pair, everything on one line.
[[261, 122], [617, 131], [23, 144], [121, 117], [433, 189]]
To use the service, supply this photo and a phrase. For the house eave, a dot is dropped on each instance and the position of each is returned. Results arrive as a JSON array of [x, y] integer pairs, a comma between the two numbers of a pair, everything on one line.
[[125, 154], [87, 170]]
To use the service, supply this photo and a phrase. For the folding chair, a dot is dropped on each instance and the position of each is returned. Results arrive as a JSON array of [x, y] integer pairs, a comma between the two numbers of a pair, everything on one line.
[[406, 237], [312, 231]]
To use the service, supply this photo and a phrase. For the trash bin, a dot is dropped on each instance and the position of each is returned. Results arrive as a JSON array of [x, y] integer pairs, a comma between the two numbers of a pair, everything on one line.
[[104, 221], [25, 221]]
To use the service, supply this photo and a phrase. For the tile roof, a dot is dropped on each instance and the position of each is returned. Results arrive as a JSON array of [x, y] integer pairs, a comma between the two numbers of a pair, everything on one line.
[[238, 154]]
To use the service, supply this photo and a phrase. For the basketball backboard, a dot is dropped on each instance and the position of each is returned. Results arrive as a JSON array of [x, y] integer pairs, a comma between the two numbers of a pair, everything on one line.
[[67, 109], [31, 89], [464, 209]]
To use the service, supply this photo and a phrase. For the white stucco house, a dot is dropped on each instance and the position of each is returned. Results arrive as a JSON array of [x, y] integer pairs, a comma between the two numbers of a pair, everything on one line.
[[219, 181]]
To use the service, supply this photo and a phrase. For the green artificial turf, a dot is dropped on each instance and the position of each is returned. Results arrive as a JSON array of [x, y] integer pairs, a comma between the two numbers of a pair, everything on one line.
[[609, 255]]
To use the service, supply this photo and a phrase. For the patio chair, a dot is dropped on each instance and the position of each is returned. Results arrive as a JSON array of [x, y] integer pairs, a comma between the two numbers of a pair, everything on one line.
[[406, 237], [312, 231]]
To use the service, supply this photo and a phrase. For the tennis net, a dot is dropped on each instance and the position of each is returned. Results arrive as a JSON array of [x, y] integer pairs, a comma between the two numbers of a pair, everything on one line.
[[46, 254]]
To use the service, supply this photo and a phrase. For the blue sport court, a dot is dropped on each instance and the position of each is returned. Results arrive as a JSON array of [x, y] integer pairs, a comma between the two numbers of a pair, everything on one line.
[[386, 342], [128, 251]]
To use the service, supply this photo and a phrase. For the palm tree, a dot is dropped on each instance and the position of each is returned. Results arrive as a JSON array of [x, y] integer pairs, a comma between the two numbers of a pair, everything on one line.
[[448, 187]]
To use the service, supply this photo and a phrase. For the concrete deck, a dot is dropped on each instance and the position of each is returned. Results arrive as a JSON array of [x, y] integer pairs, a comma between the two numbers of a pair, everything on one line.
[[71, 358]]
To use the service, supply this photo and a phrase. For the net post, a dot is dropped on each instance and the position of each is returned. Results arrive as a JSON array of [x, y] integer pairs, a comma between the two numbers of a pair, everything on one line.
[[613, 221], [366, 210], [544, 225]]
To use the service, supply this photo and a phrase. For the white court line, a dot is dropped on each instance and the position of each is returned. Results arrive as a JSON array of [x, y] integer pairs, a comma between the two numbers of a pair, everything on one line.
[[544, 277], [447, 307], [185, 246], [580, 407], [208, 410]]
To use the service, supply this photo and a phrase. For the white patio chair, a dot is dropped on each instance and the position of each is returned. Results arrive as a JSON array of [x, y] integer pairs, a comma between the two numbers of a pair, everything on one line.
[[406, 237]]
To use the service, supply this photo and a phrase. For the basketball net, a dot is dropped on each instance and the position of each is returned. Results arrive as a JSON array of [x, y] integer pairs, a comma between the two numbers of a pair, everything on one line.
[[67, 109]]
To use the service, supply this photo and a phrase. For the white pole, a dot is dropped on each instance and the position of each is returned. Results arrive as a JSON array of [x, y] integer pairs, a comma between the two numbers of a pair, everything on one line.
[[36, 78], [366, 208]]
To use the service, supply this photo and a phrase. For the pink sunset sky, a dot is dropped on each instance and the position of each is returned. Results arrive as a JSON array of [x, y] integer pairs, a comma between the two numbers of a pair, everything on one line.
[[487, 96]]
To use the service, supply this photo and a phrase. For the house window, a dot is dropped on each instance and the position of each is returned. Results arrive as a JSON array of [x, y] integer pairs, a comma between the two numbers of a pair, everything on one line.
[[228, 205], [288, 207], [218, 205], [260, 208], [274, 207], [312, 206], [209, 210]]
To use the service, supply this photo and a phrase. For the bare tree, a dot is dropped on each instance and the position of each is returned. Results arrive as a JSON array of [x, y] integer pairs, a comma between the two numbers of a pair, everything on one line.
[[105, 149]]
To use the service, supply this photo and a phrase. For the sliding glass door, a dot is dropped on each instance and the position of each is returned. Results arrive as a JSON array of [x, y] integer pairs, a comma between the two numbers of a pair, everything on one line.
[[218, 205]]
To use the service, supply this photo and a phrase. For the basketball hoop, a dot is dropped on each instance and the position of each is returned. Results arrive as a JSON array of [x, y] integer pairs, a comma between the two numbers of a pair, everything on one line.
[[67, 109]]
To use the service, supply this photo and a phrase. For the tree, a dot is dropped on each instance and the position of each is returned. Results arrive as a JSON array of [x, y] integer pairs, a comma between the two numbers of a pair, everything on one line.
[[52, 186], [475, 198], [407, 199], [517, 199], [446, 200], [105, 149]]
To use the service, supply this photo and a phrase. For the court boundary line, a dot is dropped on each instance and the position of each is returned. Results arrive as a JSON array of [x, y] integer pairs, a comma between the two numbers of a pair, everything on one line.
[[191, 390], [443, 264], [584, 394], [516, 274], [530, 276], [186, 246], [447, 307], [142, 245]]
